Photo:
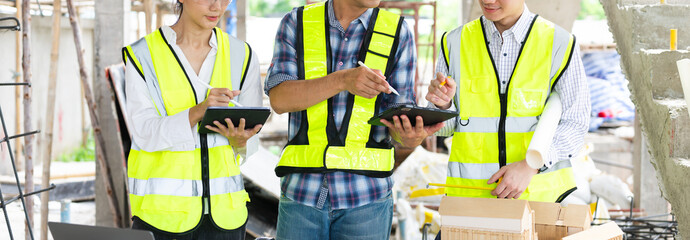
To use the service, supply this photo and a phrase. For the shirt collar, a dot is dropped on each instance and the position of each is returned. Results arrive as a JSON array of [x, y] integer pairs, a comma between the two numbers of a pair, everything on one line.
[[520, 28], [171, 36], [333, 21]]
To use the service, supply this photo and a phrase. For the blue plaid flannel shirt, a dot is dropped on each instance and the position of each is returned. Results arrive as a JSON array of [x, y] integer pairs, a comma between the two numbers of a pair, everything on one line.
[[343, 190]]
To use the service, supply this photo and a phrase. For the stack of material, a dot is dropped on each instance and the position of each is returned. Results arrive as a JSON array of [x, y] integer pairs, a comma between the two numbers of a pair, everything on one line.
[[485, 218]]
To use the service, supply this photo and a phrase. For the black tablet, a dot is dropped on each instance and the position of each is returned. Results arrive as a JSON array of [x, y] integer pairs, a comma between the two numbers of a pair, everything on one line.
[[252, 116], [430, 116]]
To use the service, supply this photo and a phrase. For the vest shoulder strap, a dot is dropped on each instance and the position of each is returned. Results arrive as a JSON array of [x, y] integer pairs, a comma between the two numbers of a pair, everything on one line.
[[128, 55], [240, 60], [384, 31], [247, 62], [563, 48]]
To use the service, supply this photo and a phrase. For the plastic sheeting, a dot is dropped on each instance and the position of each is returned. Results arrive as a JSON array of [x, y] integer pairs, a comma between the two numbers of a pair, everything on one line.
[[608, 88]]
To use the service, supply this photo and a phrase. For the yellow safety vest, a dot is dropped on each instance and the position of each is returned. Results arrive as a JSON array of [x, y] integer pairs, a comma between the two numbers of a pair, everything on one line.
[[166, 188], [318, 146], [495, 129]]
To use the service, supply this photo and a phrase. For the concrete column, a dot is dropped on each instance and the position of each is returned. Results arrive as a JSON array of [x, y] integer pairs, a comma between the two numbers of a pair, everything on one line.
[[242, 15], [109, 35]]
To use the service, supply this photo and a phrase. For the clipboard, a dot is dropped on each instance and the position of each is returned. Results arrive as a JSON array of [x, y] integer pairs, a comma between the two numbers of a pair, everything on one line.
[[430, 116], [252, 116]]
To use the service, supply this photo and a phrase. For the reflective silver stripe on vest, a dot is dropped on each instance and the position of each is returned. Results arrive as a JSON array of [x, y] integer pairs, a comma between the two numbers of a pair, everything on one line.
[[226, 185], [561, 40], [165, 186], [184, 188], [141, 51], [490, 125], [486, 170], [453, 46], [472, 170]]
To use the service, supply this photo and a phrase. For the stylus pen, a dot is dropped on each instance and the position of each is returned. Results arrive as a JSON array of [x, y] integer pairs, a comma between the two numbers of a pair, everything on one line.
[[389, 86], [209, 87]]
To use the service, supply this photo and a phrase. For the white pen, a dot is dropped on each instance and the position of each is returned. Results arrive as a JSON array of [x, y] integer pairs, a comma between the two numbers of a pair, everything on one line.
[[209, 87], [389, 86]]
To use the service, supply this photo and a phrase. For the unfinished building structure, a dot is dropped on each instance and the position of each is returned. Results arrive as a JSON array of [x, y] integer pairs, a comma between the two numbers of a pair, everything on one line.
[[641, 30]]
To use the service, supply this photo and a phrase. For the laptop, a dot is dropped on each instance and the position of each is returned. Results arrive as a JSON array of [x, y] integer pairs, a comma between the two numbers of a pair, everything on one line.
[[65, 231]]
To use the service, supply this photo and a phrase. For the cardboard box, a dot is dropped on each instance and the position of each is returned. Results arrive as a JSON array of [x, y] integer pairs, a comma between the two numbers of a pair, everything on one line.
[[608, 231], [554, 222], [486, 218]]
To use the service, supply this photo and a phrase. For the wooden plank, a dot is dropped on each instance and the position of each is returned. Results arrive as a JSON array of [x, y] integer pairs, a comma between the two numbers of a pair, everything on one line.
[[159, 16], [50, 116], [28, 140], [148, 11]]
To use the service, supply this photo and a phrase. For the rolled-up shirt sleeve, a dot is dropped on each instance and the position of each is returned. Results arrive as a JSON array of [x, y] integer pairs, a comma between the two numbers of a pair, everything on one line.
[[284, 63]]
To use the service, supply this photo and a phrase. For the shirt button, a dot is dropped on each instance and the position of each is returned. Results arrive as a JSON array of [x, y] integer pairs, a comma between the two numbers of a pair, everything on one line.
[[505, 54], [504, 82], [346, 39], [340, 63]]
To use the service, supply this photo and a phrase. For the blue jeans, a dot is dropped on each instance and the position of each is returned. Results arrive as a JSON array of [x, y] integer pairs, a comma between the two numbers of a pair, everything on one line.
[[300, 222]]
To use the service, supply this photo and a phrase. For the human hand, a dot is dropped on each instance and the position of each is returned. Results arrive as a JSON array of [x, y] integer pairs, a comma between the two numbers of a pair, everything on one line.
[[219, 97], [441, 96], [365, 82], [402, 131], [516, 178], [237, 136]]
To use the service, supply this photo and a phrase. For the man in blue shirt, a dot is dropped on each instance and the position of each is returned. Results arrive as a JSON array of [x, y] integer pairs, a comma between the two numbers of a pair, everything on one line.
[[340, 204]]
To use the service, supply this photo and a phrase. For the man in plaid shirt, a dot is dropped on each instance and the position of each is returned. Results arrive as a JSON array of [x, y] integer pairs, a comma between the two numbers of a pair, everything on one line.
[[335, 204]]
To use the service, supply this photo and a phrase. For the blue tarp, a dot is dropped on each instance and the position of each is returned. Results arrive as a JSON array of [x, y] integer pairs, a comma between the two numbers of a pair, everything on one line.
[[608, 89]]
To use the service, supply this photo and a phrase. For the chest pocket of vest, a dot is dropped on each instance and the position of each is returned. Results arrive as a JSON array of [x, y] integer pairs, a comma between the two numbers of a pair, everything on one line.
[[482, 85], [527, 102]]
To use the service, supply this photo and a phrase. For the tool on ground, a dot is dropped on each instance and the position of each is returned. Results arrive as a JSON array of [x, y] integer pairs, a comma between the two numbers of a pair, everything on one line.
[[389, 86], [210, 87]]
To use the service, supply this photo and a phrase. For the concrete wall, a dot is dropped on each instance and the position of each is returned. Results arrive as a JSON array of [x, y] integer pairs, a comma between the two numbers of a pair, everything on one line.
[[68, 121], [641, 34], [561, 12]]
